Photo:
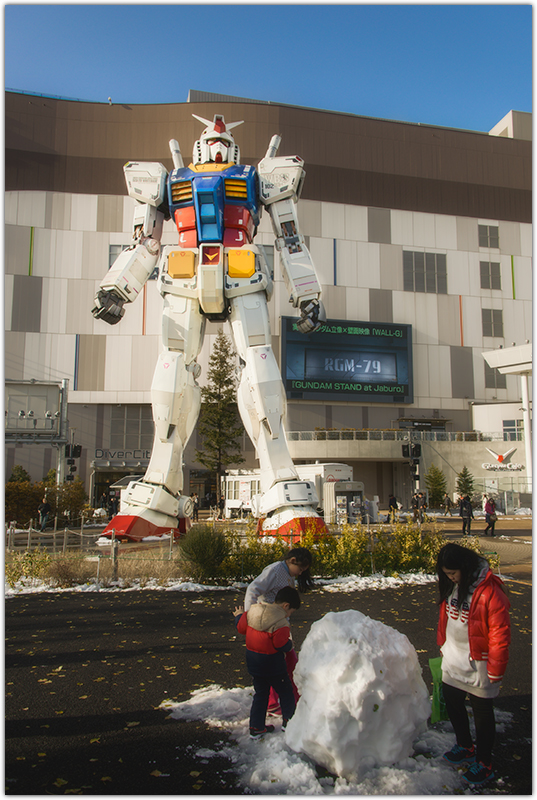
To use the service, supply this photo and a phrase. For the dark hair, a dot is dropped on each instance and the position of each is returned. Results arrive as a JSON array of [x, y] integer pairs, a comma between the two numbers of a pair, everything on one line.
[[303, 558], [288, 595], [453, 556]]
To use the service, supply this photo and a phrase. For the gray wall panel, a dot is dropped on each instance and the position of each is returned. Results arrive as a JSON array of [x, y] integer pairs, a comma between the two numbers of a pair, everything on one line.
[[380, 305], [17, 249], [462, 373], [391, 267], [58, 211], [379, 225], [91, 363], [14, 347], [449, 328], [26, 308], [110, 213]]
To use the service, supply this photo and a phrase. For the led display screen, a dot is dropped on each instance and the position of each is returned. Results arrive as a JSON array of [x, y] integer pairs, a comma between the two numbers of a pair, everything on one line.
[[348, 360]]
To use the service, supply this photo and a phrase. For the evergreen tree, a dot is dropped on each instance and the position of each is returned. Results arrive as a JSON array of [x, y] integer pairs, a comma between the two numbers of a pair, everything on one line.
[[19, 475], [436, 483], [219, 422], [465, 482]]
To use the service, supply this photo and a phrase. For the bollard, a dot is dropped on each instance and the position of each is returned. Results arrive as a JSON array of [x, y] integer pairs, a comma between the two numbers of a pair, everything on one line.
[[29, 543], [64, 548], [115, 553], [171, 546]]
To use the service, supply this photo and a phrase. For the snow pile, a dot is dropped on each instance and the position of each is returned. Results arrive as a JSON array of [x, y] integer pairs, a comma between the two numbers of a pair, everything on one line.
[[270, 767], [363, 700]]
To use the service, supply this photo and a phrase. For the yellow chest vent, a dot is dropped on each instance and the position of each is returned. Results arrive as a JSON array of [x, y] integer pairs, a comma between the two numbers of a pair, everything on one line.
[[236, 189], [181, 192]]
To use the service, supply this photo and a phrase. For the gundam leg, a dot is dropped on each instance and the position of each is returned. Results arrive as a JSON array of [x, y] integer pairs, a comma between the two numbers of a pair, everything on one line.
[[288, 504], [153, 504]]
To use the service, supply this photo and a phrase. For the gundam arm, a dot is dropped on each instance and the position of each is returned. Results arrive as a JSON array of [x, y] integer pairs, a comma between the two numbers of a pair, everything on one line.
[[124, 281], [280, 180]]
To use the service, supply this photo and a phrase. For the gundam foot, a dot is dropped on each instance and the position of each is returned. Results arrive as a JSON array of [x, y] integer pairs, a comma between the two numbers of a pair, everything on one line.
[[292, 523], [136, 524]]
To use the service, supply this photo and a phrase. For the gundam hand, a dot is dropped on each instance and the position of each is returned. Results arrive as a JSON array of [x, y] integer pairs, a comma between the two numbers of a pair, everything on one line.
[[108, 307], [312, 316]]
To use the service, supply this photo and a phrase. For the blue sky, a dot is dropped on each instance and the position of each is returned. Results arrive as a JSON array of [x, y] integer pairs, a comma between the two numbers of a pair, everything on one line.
[[461, 66]]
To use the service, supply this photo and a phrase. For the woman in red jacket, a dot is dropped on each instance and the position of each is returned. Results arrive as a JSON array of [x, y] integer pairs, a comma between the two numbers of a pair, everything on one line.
[[474, 637]]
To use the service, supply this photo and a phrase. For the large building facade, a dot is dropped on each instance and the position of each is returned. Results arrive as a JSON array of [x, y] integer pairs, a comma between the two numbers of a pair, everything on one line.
[[411, 227]]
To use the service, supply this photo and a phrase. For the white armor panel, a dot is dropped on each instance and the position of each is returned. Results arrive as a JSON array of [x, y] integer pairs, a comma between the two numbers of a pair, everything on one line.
[[146, 182], [261, 397], [130, 271], [280, 178]]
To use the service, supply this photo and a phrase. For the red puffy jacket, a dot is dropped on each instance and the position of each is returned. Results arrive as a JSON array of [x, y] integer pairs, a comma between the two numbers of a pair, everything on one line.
[[489, 629]]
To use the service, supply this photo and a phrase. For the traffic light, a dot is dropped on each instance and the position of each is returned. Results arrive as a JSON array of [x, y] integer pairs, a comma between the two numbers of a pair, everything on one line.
[[67, 451], [69, 477], [76, 450], [416, 450], [406, 451]]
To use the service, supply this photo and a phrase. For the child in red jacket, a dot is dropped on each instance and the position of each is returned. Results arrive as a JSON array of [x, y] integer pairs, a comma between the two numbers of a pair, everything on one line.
[[474, 636], [268, 638]]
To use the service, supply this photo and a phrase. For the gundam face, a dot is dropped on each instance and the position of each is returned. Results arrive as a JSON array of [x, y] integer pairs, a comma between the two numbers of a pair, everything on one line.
[[216, 144]]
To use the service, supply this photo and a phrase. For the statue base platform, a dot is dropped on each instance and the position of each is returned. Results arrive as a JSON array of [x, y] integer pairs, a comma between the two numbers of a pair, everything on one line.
[[292, 523]]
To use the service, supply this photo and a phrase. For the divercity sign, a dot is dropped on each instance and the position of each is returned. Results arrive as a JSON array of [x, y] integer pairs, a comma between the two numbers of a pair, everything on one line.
[[502, 462]]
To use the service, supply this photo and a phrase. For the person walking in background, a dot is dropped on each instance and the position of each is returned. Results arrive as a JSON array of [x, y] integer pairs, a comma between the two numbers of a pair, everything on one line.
[[447, 502], [44, 510], [415, 505], [422, 506], [196, 503], [467, 513], [490, 516], [392, 509], [474, 636], [268, 639]]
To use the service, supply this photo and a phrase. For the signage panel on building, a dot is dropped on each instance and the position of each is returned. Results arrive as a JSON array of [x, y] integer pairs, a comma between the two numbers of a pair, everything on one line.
[[348, 360]]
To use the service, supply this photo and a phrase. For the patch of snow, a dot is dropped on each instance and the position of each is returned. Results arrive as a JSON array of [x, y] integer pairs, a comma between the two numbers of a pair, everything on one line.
[[270, 767]]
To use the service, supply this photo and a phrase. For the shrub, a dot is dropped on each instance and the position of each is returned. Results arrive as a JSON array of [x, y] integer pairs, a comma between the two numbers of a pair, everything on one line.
[[246, 559], [30, 564], [346, 554], [63, 572], [203, 550], [407, 549]]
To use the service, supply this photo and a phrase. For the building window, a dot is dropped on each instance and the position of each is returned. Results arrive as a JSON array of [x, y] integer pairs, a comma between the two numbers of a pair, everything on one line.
[[489, 236], [494, 379], [131, 427], [424, 272], [490, 275], [233, 490], [115, 249], [492, 319], [513, 430]]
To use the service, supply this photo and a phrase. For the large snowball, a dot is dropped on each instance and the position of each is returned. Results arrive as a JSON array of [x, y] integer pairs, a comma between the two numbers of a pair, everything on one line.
[[362, 698]]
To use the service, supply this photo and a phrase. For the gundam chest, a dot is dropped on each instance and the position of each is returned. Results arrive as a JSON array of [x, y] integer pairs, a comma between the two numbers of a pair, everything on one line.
[[209, 204]]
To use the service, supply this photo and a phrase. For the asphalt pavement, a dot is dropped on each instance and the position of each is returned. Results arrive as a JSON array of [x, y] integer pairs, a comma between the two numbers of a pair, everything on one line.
[[86, 674]]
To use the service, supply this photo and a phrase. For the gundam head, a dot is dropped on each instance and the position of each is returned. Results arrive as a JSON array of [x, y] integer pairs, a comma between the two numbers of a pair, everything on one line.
[[216, 144]]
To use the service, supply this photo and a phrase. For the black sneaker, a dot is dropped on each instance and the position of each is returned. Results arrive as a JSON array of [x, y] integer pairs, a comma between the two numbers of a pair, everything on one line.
[[257, 733], [460, 755], [478, 773]]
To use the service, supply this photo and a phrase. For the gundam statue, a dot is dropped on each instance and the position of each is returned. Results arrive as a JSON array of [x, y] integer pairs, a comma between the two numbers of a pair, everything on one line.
[[215, 272]]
